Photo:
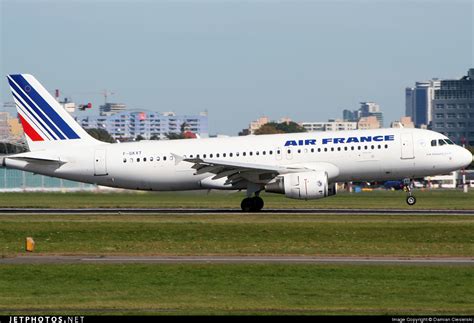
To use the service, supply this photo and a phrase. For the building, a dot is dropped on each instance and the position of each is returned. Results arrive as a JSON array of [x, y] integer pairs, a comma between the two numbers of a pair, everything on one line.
[[367, 109], [371, 109], [4, 128], [10, 128], [109, 109], [15, 128], [404, 122], [255, 125], [366, 123], [348, 115], [330, 125], [418, 101], [453, 109], [128, 125]]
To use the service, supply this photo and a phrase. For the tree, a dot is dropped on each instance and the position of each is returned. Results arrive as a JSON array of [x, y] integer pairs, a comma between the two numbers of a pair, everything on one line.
[[155, 137], [284, 127], [139, 137], [100, 134], [268, 129]]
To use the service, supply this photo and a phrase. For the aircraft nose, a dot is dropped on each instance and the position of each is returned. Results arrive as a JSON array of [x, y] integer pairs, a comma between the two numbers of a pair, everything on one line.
[[466, 158]]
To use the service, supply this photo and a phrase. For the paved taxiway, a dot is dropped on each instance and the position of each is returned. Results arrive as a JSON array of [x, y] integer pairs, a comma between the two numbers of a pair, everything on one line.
[[229, 211], [45, 259]]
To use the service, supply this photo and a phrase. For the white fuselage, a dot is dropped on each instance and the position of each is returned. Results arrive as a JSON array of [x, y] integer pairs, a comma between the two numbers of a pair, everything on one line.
[[383, 154]]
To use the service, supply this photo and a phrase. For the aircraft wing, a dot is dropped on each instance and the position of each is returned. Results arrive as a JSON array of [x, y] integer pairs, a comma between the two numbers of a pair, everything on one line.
[[238, 171]]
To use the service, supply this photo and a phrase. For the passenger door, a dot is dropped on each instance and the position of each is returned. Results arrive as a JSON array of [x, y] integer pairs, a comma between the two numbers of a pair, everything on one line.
[[408, 151], [100, 162]]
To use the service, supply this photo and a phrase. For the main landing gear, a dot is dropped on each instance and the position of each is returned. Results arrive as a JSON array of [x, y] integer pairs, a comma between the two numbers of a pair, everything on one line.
[[411, 200], [255, 203], [252, 204]]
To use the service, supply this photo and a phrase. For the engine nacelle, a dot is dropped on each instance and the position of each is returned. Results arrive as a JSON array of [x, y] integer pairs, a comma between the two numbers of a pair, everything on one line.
[[302, 186]]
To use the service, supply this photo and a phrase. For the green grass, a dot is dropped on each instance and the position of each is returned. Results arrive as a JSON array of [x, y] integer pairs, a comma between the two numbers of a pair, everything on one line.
[[444, 199], [239, 234], [236, 289]]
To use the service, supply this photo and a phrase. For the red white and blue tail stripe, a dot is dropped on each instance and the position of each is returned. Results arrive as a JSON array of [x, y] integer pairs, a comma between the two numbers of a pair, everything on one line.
[[41, 116]]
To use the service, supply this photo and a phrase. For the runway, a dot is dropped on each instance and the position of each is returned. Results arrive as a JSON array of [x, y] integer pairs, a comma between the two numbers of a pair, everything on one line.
[[231, 211], [28, 260]]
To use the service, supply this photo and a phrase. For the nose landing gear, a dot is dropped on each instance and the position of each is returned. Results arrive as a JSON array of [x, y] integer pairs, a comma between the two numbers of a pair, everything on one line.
[[411, 200]]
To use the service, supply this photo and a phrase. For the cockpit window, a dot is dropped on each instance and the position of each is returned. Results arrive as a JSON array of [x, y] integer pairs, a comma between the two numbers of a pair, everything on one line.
[[441, 142], [433, 142], [449, 142]]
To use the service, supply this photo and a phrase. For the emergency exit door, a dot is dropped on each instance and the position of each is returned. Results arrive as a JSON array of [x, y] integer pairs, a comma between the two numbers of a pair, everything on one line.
[[100, 162]]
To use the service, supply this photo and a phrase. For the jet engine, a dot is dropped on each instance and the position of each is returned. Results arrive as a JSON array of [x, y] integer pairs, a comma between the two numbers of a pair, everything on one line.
[[303, 186]]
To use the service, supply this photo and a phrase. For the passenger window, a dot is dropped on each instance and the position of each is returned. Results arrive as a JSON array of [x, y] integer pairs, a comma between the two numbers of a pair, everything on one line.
[[319, 150], [289, 151], [372, 147], [332, 148], [230, 155], [164, 158], [244, 154], [125, 160], [271, 152], [379, 146], [251, 153], [345, 148], [158, 158], [299, 151], [151, 159], [278, 152], [144, 159], [352, 148], [264, 152], [217, 155], [204, 156], [365, 147], [386, 146], [131, 160], [223, 155], [257, 153], [190, 156], [325, 149], [433, 143], [210, 155], [312, 150], [338, 148], [138, 160]]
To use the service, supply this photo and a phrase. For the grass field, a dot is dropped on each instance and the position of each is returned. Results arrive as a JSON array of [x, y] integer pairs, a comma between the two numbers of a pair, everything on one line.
[[443, 199], [239, 234], [236, 289]]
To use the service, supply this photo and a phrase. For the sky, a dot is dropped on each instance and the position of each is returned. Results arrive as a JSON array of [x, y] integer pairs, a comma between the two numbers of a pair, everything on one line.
[[239, 60]]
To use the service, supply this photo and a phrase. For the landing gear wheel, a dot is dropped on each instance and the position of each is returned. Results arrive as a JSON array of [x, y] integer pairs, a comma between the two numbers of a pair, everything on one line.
[[247, 204], [258, 203], [411, 200], [252, 204]]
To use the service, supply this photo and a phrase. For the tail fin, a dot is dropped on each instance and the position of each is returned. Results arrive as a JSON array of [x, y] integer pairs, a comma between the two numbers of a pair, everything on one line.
[[45, 123]]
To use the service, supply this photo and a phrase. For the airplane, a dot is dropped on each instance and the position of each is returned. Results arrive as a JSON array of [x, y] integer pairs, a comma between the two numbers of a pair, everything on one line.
[[301, 166]]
